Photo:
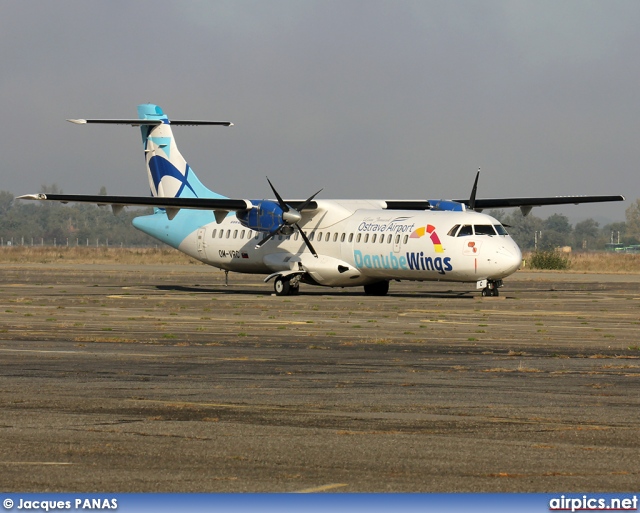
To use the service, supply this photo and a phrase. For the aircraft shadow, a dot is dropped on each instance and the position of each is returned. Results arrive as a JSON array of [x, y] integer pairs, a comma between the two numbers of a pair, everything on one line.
[[328, 292]]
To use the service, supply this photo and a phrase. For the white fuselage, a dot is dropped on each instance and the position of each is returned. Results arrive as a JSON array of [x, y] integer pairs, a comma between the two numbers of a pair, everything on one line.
[[358, 242]]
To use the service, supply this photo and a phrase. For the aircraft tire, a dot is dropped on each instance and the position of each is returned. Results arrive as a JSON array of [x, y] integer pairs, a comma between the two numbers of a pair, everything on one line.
[[379, 288], [282, 287], [487, 292]]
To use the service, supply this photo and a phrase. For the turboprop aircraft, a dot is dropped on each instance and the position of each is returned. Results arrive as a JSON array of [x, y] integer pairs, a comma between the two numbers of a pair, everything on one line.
[[334, 243]]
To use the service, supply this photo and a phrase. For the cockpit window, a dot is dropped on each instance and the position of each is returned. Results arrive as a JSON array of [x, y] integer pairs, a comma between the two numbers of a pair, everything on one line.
[[484, 229], [467, 229], [500, 229], [452, 232]]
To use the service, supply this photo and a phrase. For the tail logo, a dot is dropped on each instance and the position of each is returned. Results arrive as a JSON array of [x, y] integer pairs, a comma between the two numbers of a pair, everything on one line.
[[161, 170]]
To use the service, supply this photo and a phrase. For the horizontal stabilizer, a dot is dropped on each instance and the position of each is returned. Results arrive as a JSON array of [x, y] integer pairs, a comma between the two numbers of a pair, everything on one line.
[[139, 122]]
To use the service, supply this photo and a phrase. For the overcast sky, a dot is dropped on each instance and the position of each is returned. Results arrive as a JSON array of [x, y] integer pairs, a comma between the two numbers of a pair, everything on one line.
[[366, 99]]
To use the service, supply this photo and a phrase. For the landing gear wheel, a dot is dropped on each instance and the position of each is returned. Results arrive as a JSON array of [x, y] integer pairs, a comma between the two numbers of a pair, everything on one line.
[[490, 292], [282, 287], [380, 288]]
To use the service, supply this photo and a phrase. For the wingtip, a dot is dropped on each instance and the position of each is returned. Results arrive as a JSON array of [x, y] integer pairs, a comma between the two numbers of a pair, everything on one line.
[[78, 121], [39, 196]]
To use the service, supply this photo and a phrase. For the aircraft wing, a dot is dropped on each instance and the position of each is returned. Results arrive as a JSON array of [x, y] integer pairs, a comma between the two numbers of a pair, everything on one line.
[[220, 206], [228, 204], [528, 203], [146, 201]]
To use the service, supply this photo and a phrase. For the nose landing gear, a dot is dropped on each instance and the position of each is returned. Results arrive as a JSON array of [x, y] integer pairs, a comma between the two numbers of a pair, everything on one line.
[[491, 289]]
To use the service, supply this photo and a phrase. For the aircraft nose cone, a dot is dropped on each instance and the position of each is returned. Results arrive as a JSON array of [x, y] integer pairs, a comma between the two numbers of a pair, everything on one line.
[[511, 258]]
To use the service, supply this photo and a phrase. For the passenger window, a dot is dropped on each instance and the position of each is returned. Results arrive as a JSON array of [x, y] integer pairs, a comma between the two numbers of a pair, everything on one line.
[[235, 234], [373, 239], [398, 239], [406, 238], [342, 237], [221, 234], [242, 234], [484, 229], [382, 238], [335, 237], [366, 238], [327, 237], [228, 233], [452, 232], [257, 235], [311, 236], [358, 237], [295, 236], [467, 229], [213, 233], [351, 237], [319, 236], [500, 229], [389, 239]]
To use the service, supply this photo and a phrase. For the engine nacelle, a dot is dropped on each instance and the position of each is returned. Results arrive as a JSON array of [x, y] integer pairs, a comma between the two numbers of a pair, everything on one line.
[[265, 216], [448, 205]]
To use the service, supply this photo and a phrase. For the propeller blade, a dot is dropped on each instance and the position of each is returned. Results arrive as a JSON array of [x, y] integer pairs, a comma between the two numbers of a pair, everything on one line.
[[306, 203], [283, 205], [472, 199], [306, 241], [267, 238]]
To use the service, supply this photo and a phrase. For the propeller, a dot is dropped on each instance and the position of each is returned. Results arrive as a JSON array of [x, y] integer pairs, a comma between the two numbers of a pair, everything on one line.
[[290, 217]]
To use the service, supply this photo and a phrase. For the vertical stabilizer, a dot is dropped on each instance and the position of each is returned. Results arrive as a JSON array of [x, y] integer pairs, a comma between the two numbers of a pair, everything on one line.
[[169, 174]]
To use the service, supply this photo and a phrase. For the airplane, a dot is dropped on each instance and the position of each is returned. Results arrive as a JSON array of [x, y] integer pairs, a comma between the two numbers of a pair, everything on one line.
[[332, 243]]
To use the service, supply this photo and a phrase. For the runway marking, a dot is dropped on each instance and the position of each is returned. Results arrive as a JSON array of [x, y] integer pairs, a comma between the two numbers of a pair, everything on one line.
[[34, 463], [52, 351], [211, 405], [37, 351], [322, 488], [83, 353]]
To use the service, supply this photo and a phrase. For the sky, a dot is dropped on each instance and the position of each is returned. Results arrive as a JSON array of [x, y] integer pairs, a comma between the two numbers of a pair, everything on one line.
[[364, 98]]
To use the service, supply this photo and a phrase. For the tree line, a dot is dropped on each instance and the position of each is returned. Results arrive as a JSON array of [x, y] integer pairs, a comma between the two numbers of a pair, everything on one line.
[[531, 232], [26, 222], [49, 223]]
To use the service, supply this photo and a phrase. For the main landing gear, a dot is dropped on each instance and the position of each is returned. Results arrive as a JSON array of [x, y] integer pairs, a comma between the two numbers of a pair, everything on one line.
[[491, 290], [287, 285]]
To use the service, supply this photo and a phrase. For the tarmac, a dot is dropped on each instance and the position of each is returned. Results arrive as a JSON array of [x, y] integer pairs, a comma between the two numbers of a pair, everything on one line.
[[117, 378]]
